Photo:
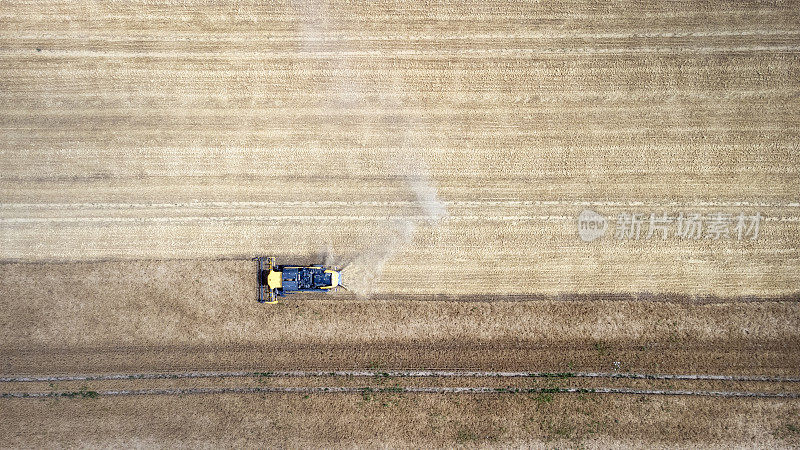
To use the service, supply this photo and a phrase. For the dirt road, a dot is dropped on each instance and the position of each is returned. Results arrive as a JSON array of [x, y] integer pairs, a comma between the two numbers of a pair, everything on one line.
[[441, 154]]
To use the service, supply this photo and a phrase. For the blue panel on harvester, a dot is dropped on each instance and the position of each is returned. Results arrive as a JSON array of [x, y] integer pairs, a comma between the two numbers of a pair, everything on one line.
[[305, 278], [275, 280]]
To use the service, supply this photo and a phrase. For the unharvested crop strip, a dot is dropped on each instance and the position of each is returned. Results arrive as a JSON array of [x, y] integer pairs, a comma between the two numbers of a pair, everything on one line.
[[397, 374], [396, 390]]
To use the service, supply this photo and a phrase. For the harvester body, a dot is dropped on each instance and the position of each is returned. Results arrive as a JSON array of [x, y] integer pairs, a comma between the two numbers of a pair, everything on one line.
[[276, 281]]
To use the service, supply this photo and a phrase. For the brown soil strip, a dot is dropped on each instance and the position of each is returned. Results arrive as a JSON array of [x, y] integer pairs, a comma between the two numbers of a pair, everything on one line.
[[400, 420], [396, 373], [410, 381], [385, 381], [416, 390], [240, 270], [753, 358]]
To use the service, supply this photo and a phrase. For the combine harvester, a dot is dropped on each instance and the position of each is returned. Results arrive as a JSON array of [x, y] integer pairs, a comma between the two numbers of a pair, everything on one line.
[[277, 281]]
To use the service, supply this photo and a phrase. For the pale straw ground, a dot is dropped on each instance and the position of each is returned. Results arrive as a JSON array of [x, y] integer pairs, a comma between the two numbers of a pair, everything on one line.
[[440, 154]]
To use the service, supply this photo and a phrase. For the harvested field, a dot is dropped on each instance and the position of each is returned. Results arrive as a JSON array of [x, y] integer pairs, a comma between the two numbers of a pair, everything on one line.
[[187, 131], [440, 155], [405, 420]]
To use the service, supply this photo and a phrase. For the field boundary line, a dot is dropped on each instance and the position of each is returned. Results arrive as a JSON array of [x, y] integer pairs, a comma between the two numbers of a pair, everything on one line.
[[398, 203], [178, 35], [396, 374], [406, 53], [311, 218], [396, 390]]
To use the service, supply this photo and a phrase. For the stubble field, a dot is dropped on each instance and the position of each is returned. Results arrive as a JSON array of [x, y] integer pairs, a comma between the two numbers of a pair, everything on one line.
[[439, 154]]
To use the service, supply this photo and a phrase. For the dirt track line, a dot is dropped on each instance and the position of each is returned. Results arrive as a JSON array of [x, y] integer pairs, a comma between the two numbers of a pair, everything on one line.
[[295, 218], [460, 54], [397, 374], [319, 219], [423, 37], [241, 204], [546, 97], [521, 16], [396, 390], [324, 219]]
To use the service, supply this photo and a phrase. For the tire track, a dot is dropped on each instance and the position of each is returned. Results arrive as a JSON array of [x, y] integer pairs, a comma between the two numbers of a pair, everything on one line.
[[405, 53], [396, 203], [308, 218], [397, 390], [422, 37], [398, 374]]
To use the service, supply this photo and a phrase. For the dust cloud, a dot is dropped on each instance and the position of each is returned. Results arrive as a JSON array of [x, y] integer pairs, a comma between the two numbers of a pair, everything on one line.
[[362, 271]]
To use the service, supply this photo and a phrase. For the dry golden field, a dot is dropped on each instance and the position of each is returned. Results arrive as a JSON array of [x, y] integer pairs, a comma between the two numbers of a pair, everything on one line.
[[440, 153]]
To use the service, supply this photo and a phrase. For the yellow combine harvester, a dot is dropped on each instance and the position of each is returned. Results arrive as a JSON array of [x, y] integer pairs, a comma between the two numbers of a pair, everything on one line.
[[276, 281]]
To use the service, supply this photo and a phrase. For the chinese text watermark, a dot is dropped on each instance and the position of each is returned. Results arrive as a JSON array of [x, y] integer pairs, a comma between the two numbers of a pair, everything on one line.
[[663, 226]]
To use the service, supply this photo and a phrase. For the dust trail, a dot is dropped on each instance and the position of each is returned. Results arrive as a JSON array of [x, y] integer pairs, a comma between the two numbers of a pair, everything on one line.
[[362, 271], [417, 176]]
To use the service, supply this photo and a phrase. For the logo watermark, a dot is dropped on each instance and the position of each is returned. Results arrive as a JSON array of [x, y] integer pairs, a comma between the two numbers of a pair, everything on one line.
[[683, 226], [591, 225]]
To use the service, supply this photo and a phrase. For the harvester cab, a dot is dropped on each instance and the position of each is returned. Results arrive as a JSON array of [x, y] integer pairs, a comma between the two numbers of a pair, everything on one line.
[[276, 281]]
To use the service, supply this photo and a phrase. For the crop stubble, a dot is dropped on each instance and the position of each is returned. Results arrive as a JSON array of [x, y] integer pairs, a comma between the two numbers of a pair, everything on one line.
[[132, 133], [240, 136]]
